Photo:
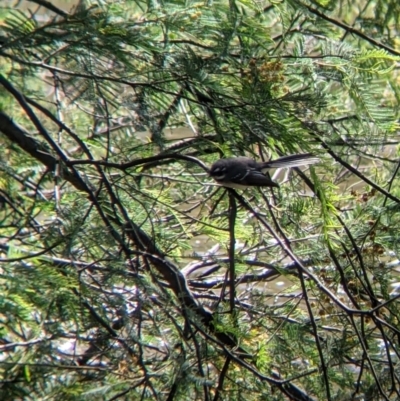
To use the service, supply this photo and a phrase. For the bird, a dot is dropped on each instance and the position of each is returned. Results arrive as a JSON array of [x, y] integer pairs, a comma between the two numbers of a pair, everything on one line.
[[243, 172]]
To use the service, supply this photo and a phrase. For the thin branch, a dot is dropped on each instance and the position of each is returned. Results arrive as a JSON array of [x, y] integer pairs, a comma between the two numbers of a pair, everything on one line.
[[51, 7], [232, 253], [349, 29]]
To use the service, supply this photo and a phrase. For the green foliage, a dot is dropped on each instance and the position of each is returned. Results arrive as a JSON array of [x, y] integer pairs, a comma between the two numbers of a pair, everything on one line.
[[118, 279]]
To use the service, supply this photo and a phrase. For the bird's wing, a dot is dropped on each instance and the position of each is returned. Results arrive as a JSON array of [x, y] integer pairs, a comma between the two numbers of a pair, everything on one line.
[[257, 178]]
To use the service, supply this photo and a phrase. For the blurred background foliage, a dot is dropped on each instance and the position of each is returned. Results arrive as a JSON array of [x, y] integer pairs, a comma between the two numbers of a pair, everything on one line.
[[126, 273]]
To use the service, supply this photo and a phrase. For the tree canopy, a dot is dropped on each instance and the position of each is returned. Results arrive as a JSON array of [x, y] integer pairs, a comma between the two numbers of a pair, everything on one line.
[[126, 272]]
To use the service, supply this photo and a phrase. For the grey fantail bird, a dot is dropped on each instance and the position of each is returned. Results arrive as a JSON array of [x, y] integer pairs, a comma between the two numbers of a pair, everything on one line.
[[242, 172]]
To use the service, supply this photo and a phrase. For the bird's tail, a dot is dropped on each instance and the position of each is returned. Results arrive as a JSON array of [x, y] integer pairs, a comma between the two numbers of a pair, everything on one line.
[[292, 161]]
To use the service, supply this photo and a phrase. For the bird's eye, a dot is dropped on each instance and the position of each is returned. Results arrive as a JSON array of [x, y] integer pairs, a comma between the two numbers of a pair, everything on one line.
[[219, 176]]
